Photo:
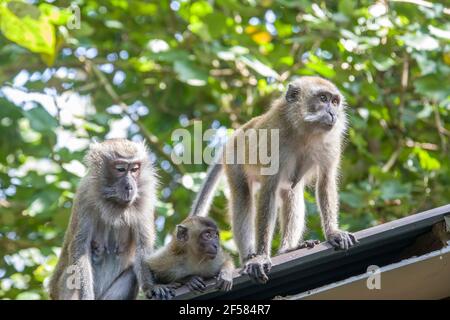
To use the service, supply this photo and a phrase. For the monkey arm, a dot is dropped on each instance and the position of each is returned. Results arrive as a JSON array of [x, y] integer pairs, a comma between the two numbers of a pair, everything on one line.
[[151, 286], [266, 215], [327, 197], [80, 262], [144, 247], [258, 267], [225, 276]]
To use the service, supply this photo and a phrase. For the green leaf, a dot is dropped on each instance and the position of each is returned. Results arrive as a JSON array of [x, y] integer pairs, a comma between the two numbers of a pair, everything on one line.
[[420, 41], [216, 23], [40, 119], [42, 203], [433, 86], [258, 66], [28, 296], [190, 73], [114, 24], [393, 189], [353, 199], [427, 162], [346, 7], [318, 65], [37, 35], [385, 64]]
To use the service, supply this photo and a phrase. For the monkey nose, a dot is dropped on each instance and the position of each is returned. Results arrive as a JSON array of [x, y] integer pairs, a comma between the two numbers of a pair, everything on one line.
[[332, 116], [128, 187]]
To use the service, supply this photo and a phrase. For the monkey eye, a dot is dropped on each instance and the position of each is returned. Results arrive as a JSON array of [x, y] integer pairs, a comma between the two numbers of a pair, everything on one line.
[[208, 236], [323, 98], [335, 102], [121, 169], [135, 169]]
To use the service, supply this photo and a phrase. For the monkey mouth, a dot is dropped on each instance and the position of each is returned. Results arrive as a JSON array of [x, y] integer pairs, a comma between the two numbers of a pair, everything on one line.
[[125, 200], [328, 125], [128, 197], [211, 255]]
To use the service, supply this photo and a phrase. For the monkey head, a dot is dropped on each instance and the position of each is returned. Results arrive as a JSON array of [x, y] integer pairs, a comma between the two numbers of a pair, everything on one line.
[[316, 102], [200, 236], [116, 166]]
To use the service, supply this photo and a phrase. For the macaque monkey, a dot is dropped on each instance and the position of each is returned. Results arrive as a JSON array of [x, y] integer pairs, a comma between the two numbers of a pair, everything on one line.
[[111, 229], [193, 255], [310, 120]]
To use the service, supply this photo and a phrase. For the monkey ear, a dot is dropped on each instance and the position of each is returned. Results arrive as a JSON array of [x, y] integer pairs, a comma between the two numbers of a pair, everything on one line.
[[292, 93], [182, 233]]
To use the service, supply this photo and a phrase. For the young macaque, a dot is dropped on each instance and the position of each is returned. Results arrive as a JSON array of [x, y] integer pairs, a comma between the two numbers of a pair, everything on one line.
[[193, 256]]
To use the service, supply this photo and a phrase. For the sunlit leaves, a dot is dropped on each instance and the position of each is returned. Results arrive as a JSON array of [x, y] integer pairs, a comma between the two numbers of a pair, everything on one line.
[[259, 36], [421, 41], [258, 66], [426, 160], [40, 119], [31, 27], [433, 86], [394, 189], [37, 35], [318, 66], [385, 63], [190, 73]]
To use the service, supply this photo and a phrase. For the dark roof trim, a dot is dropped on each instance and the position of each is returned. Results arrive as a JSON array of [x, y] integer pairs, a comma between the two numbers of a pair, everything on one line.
[[306, 269], [431, 274]]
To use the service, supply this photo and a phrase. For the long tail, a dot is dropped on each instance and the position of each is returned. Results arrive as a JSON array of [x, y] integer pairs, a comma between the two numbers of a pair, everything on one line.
[[205, 196]]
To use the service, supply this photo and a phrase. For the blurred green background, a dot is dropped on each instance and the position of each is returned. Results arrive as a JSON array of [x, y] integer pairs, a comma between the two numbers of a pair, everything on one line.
[[140, 69]]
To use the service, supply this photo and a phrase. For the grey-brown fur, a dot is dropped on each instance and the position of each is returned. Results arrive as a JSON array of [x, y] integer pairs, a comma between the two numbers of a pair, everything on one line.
[[106, 243], [182, 262], [310, 143]]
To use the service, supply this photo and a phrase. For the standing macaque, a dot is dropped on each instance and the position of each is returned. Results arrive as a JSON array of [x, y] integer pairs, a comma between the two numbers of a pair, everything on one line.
[[111, 229], [193, 255], [310, 121]]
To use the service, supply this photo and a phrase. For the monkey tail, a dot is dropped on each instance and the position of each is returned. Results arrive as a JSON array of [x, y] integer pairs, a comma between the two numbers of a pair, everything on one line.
[[205, 196]]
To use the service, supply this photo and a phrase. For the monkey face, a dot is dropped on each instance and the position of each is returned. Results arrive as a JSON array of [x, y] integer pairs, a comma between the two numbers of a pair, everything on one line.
[[323, 108], [200, 236], [122, 182], [209, 242], [316, 101]]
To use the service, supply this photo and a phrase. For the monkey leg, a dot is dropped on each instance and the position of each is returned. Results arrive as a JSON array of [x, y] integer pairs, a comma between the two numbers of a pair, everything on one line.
[[124, 287], [292, 218], [327, 196], [259, 266], [242, 215]]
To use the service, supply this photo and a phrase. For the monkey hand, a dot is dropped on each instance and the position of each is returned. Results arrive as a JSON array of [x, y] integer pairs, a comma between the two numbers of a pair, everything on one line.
[[224, 281], [308, 244], [304, 244], [161, 292], [341, 239], [257, 268], [196, 283]]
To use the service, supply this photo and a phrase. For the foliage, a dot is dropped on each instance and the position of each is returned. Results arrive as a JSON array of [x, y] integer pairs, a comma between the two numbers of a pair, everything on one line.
[[149, 68]]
